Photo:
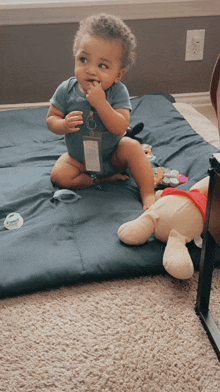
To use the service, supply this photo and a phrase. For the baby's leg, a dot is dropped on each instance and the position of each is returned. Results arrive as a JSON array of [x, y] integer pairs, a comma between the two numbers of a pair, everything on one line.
[[129, 153], [69, 173]]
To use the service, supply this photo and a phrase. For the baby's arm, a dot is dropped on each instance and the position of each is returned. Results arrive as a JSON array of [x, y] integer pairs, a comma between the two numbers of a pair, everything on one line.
[[60, 124], [115, 120]]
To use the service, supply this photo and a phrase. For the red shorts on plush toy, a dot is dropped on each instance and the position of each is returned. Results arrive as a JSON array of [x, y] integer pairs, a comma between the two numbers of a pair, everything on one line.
[[198, 198]]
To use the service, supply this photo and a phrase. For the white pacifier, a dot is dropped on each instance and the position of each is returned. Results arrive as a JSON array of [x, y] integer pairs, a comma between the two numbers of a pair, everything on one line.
[[66, 196], [13, 221]]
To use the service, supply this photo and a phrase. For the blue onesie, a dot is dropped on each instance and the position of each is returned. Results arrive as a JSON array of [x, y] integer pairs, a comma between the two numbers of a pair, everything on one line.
[[68, 98]]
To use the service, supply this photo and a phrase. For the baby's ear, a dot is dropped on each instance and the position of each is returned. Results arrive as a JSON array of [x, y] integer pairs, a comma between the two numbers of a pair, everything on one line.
[[120, 74]]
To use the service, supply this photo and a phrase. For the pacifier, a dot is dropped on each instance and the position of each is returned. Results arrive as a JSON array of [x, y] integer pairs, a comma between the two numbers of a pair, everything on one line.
[[13, 221], [66, 196]]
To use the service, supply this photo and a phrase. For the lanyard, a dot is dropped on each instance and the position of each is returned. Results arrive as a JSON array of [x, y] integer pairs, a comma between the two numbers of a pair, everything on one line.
[[92, 145]]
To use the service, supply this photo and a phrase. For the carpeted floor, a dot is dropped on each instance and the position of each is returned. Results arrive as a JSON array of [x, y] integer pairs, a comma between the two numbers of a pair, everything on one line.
[[140, 335]]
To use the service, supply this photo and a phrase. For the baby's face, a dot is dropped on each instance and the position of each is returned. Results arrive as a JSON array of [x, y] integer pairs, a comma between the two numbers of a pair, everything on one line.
[[98, 60]]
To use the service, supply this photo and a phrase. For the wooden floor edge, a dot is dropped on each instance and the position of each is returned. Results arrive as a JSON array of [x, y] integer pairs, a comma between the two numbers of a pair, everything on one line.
[[196, 99]]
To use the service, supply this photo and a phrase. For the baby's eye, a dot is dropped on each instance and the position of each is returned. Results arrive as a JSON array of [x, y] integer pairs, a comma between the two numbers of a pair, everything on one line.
[[83, 60], [104, 66]]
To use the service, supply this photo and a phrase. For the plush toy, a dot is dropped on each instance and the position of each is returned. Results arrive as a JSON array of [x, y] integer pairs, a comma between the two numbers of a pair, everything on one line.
[[176, 218]]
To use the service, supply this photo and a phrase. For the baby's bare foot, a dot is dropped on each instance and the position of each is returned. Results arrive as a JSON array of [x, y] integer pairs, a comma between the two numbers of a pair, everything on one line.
[[148, 201], [119, 176]]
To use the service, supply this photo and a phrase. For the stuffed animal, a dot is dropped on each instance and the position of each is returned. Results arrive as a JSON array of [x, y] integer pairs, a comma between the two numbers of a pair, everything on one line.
[[176, 218]]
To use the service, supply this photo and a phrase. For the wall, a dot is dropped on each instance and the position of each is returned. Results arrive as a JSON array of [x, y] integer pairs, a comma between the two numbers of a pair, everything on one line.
[[35, 58]]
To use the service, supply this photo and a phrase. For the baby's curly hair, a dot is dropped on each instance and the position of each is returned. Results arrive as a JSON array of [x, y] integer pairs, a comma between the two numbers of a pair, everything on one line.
[[108, 27]]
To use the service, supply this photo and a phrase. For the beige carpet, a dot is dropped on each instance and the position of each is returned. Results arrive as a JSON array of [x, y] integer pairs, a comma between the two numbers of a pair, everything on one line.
[[138, 335]]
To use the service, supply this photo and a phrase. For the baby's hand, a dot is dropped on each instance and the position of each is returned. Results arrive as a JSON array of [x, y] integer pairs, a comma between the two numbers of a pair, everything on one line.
[[95, 94], [73, 120]]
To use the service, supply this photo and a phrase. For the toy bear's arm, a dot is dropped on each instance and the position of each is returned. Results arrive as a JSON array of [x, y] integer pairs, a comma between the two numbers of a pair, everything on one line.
[[202, 185], [138, 231]]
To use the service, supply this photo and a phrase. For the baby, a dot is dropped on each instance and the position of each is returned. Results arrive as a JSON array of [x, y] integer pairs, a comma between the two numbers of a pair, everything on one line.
[[93, 108]]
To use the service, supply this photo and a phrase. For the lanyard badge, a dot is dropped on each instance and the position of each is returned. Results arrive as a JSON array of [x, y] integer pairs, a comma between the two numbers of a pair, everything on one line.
[[92, 145]]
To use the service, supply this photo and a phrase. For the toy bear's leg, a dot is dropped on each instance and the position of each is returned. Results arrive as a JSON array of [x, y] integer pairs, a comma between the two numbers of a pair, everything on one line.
[[138, 231], [176, 259]]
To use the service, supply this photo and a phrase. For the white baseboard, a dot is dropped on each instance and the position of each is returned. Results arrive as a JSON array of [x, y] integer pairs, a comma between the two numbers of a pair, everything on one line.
[[195, 99], [17, 106]]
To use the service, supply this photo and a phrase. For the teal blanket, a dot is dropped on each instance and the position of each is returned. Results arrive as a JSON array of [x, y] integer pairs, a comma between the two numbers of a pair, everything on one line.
[[64, 244]]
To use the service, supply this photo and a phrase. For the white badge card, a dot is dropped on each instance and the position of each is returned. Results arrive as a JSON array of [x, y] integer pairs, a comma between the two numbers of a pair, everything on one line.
[[92, 153]]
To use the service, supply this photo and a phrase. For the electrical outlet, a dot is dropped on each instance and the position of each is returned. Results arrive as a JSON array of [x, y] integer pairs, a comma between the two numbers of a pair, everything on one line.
[[194, 45]]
